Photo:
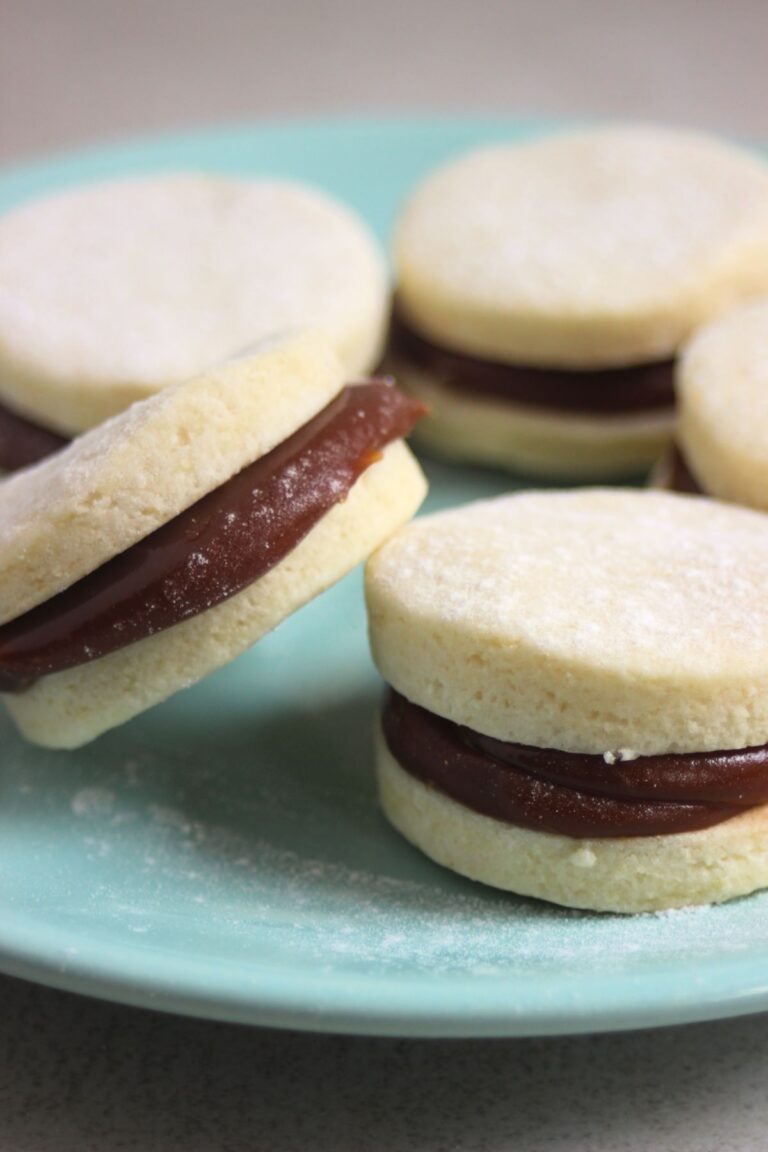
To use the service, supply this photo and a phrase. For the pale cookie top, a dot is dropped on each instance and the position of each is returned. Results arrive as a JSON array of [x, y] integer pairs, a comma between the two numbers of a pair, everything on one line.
[[113, 486], [604, 247], [111, 291], [592, 621], [722, 387]]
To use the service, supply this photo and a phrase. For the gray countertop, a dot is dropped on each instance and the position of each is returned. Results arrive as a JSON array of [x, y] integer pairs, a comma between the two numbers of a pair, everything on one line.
[[79, 1075]]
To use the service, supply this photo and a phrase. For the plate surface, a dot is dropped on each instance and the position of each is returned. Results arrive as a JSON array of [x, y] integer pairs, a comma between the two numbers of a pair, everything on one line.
[[224, 855]]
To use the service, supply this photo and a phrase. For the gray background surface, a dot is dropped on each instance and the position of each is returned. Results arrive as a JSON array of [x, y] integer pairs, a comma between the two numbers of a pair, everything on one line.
[[80, 1075], [82, 70]]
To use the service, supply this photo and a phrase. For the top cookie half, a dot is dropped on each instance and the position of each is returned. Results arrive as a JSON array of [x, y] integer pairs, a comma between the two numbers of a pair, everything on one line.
[[112, 291], [600, 248], [587, 621]]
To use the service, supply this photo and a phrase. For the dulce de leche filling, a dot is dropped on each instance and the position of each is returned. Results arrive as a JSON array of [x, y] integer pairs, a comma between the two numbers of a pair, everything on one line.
[[573, 794], [22, 442], [677, 476], [213, 549], [606, 391]]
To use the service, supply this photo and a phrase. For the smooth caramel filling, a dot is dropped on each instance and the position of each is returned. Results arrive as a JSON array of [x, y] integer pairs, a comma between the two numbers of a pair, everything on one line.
[[677, 474], [608, 391], [215, 548], [573, 794], [23, 442]]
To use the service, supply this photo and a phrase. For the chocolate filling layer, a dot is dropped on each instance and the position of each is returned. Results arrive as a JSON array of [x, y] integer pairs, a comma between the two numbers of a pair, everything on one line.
[[213, 549], [569, 793], [23, 443], [608, 391], [678, 477]]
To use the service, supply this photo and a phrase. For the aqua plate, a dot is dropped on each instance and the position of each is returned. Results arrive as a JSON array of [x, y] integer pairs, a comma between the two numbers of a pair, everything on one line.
[[224, 855]]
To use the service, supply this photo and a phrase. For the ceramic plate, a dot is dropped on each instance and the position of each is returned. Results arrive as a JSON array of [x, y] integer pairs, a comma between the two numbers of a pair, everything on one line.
[[224, 855]]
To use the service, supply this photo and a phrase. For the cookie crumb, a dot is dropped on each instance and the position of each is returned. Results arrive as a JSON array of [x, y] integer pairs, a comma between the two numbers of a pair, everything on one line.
[[583, 858], [620, 755]]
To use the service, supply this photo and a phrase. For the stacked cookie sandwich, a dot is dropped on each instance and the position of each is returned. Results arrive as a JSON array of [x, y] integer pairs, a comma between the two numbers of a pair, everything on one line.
[[577, 700], [543, 290]]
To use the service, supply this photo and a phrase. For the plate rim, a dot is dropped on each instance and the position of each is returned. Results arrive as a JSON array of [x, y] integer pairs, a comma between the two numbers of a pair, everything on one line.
[[341, 1003]]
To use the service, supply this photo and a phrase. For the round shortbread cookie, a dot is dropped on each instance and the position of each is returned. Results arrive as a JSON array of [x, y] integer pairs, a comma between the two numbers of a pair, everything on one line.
[[113, 486], [599, 248], [69, 708], [632, 874], [722, 387], [112, 291], [536, 442], [588, 621]]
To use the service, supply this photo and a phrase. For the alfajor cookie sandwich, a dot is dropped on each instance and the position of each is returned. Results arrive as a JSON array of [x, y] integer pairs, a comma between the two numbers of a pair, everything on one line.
[[721, 437], [160, 545], [543, 289], [577, 703], [112, 291]]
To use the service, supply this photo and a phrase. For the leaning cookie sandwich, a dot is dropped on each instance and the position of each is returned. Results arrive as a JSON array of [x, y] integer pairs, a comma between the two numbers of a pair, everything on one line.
[[162, 544]]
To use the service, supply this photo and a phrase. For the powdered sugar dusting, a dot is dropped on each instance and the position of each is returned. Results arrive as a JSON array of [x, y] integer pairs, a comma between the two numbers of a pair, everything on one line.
[[93, 803], [599, 619], [348, 915], [605, 573], [591, 223]]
